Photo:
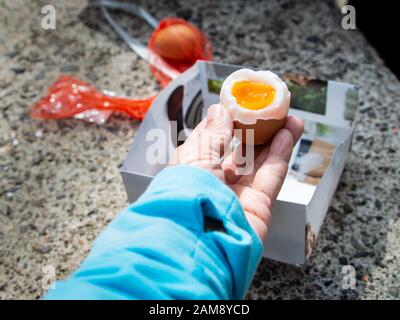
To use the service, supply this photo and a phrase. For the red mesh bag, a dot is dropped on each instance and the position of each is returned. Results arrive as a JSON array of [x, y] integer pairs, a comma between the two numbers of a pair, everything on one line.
[[69, 97], [175, 45]]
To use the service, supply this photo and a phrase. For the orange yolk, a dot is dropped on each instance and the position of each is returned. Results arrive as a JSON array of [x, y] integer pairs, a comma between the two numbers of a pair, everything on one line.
[[253, 95]]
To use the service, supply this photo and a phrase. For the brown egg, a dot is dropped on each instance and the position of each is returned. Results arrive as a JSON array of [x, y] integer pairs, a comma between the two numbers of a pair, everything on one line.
[[176, 41], [264, 130]]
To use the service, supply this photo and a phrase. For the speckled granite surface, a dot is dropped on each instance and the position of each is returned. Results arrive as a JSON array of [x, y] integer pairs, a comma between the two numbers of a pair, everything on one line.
[[59, 181]]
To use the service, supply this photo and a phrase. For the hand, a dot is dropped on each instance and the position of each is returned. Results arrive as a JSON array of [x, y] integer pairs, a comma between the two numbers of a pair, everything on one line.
[[256, 191]]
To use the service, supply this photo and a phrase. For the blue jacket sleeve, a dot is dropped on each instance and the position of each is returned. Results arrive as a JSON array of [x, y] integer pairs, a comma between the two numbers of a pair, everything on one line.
[[160, 248]]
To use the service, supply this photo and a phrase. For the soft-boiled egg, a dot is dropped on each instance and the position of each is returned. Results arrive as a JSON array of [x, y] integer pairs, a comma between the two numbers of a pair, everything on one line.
[[257, 100]]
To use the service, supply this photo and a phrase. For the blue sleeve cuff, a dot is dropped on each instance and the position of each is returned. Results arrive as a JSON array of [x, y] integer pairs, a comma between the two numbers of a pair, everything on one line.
[[189, 194]]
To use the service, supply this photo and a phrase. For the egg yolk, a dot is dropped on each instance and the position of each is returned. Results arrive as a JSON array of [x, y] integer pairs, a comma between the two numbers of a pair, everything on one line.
[[253, 95]]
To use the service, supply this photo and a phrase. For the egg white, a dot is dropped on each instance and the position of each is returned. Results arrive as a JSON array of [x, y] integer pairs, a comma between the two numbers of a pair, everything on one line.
[[277, 109]]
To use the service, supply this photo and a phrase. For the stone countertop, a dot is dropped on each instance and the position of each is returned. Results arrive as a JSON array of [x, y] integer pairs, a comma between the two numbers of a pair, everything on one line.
[[59, 180]]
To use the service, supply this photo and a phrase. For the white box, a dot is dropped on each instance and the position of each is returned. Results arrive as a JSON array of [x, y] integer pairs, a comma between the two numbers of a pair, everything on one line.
[[328, 109]]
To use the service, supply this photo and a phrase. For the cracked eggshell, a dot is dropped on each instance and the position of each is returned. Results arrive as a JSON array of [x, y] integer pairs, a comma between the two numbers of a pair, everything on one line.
[[265, 121], [264, 130]]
